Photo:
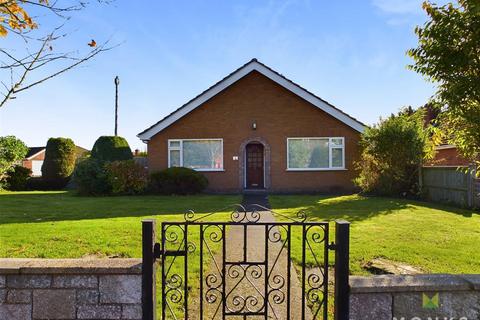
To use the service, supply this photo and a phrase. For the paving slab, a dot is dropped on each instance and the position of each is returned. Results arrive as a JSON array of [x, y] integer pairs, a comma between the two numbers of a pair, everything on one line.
[[247, 282]]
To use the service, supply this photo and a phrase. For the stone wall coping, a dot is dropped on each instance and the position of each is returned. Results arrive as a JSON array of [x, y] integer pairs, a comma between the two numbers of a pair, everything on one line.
[[70, 266], [414, 283]]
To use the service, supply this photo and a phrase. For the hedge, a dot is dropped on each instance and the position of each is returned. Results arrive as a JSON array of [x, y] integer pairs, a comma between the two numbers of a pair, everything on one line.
[[111, 148], [177, 180], [59, 163], [18, 178]]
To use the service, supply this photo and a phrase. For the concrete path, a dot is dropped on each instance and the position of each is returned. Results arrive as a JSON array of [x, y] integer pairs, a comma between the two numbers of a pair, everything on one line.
[[253, 283], [258, 198], [245, 272], [246, 281]]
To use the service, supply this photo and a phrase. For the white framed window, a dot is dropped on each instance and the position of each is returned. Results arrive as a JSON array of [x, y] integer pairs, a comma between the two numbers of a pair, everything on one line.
[[197, 154], [322, 153]]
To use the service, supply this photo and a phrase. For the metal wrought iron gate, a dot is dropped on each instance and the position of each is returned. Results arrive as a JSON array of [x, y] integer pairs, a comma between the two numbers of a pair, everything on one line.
[[255, 264]]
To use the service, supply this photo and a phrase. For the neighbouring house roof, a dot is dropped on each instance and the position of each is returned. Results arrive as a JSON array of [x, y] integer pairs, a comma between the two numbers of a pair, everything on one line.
[[253, 65], [81, 151], [34, 151]]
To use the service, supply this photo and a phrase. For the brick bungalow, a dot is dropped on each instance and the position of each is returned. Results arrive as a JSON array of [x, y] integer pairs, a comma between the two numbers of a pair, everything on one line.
[[256, 129]]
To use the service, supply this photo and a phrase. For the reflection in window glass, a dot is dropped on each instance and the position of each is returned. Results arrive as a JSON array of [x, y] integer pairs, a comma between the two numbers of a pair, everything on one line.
[[308, 153], [315, 153], [175, 144], [202, 154], [337, 157], [174, 158]]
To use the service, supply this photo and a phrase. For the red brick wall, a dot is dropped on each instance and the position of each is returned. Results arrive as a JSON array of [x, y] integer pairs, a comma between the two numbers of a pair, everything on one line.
[[279, 114], [40, 156], [28, 163], [449, 157]]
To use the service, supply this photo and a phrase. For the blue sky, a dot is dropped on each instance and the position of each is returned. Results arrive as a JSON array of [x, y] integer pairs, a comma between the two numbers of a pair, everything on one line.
[[351, 53]]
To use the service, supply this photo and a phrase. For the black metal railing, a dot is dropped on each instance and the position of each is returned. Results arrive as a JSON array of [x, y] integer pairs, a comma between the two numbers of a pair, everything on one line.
[[247, 266]]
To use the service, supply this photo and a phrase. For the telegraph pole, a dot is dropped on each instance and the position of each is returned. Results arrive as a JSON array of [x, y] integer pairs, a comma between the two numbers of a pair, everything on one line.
[[117, 82]]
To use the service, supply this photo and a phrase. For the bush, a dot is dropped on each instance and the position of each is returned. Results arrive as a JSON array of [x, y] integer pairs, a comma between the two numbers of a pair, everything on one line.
[[90, 178], [177, 181], [126, 177], [17, 179], [40, 184], [392, 154], [12, 150], [111, 148], [60, 155]]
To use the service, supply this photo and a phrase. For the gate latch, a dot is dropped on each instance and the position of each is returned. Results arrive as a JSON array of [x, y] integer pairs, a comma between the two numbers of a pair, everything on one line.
[[158, 252], [332, 246]]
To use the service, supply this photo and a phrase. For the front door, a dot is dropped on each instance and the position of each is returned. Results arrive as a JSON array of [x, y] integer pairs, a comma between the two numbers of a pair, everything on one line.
[[254, 166]]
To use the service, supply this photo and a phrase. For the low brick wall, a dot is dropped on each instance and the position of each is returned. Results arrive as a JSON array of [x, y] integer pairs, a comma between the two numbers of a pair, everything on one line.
[[37, 289], [407, 297]]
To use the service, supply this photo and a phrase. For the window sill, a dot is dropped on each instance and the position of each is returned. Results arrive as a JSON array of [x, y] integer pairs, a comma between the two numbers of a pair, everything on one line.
[[326, 169]]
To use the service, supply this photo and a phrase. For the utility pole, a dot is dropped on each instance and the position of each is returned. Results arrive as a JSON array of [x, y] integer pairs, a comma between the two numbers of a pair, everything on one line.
[[117, 82]]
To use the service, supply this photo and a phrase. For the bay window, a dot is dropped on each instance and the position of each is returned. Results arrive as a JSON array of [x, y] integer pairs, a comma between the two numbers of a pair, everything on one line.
[[315, 153], [197, 154]]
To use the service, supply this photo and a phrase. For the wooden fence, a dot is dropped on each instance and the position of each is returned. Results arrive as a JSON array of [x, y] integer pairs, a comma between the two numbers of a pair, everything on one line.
[[451, 184]]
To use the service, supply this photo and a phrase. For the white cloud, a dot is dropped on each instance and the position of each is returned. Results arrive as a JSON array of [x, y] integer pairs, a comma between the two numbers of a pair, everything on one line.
[[399, 6]]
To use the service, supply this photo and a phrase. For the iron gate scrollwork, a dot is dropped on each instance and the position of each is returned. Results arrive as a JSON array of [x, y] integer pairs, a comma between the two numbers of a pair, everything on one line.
[[253, 264]]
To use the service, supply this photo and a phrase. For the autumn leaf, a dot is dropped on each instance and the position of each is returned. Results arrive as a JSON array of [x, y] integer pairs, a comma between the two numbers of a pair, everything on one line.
[[13, 16]]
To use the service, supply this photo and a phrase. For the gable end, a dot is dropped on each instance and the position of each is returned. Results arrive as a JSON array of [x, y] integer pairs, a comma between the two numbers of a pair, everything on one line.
[[238, 74]]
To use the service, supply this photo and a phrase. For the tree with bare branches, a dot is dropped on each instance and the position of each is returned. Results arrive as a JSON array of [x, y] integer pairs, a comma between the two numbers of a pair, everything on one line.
[[40, 60]]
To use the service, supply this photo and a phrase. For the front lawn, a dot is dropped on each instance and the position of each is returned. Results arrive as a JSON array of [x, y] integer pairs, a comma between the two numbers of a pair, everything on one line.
[[437, 239], [62, 225], [59, 224]]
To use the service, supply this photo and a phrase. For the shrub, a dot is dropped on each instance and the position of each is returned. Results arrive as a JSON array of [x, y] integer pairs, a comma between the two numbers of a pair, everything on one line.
[[126, 177], [111, 148], [60, 155], [90, 178], [392, 154], [17, 178], [38, 183], [177, 181], [12, 150]]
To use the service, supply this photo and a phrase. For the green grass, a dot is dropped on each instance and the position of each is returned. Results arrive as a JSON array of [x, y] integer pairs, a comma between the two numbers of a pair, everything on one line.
[[434, 238], [62, 225], [59, 224]]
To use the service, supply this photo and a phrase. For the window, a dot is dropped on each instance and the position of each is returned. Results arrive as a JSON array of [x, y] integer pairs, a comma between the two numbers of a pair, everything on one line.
[[198, 154], [315, 153]]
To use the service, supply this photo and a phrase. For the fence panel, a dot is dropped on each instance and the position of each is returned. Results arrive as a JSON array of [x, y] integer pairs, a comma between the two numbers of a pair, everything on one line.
[[454, 185], [476, 193]]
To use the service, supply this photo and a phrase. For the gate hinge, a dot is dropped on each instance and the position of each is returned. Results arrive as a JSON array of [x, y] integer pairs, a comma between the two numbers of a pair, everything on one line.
[[332, 246], [157, 251]]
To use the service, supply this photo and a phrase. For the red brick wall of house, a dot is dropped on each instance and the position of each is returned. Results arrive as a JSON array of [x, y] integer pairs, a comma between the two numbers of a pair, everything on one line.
[[28, 163], [448, 157], [279, 114], [40, 156]]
